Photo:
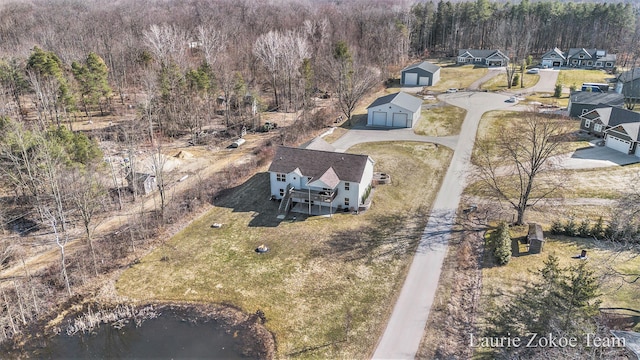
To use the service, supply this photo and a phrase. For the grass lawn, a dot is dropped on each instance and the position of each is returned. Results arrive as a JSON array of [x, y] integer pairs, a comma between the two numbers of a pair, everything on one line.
[[327, 284], [441, 121], [549, 99], [577, 76], [459, 77], [500, 82], [500, 282]]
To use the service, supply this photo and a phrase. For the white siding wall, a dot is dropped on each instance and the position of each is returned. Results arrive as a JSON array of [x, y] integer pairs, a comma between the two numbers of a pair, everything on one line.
[[367, 177], [389, 109], [436, 77]]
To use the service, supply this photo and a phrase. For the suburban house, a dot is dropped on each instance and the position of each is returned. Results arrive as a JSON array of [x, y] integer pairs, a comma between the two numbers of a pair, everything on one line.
[[319, 182], [598, 120], [553, 58], [628, 84], [590, 58], [624, 138], [581, 102], [141, 183], [395, 110], [482, 57], [420, 74]]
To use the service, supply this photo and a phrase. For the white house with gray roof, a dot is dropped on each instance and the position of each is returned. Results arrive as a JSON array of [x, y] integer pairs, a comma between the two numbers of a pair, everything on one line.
[[399, 110], [420, 74], [624, 138], [319, 182]]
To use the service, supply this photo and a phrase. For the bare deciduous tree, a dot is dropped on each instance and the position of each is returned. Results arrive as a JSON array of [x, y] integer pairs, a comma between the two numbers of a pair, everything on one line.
[[508, 167]]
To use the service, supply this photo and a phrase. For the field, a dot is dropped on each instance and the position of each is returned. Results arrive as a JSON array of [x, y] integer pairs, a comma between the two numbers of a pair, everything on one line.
[[576, 77], [326, 284], [440, 121], [459, 77], [499, 82]]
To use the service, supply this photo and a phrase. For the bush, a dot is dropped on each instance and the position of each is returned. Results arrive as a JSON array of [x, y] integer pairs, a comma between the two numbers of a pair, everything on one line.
[[571, 228], [597, 230], [502, 243], [557, 91], [584, 229], [557, 228], [516, 80]]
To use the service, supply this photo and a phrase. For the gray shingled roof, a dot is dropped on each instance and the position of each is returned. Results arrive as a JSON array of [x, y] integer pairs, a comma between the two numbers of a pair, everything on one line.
[[480, 53], [556, 51], [424, 65], [619, 116], [596, 98], [400, 99], [315, 163], [318, 143], [629, 75]]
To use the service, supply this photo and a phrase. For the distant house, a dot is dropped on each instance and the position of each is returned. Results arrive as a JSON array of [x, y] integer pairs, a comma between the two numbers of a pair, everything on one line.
[[319, 182], [598, 120], [421, 74], [482, 57], [628, 84], [395, 110], [624, 138], [553, 58], [590, 58], [581, 102], [141, 183]]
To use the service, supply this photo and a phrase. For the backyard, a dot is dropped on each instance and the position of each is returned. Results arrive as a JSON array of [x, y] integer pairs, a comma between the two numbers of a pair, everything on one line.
[[326, 283], [443, 120]]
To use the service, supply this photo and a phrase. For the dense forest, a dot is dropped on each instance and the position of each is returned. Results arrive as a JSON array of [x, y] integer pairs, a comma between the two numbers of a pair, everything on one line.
[[175, 68]]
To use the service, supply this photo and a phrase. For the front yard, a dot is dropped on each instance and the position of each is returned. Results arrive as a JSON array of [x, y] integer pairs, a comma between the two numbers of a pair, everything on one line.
[[576, 77], [498, 83], [443, 120], [459, 77], [326, 284]]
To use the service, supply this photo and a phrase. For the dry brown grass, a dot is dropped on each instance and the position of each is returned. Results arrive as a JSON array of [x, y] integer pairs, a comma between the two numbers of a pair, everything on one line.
[[326, 284], [441, 121]]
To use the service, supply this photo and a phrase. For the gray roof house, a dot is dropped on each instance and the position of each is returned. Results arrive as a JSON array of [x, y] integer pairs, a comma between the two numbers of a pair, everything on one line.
[[590, 58], [598, 120], [624, 138], [628, 84], [395, 110], [482, 57], [553, 58], [319, 182], [420, 74], [581, 102]]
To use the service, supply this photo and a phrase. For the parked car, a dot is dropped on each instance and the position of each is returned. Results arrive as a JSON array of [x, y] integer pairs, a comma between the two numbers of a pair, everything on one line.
[[512, 99], [452, 90], [533, 71]]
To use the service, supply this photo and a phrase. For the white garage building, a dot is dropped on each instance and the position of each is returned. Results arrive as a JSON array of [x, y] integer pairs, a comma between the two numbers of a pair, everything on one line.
[[399, 110], [420, 74], [624, 138]]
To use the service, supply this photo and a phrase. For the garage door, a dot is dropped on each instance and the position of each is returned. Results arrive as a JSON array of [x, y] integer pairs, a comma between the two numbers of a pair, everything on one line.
[[411, 78], [424, 80], [399, 120], [618, 144], [379, 118], [638, 150]]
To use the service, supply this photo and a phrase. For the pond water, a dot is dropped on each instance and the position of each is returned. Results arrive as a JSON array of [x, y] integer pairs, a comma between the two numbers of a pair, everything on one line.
[[169, 336]]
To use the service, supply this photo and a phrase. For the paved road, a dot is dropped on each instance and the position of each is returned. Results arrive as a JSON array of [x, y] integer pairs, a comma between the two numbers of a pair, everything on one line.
[[405, 328]]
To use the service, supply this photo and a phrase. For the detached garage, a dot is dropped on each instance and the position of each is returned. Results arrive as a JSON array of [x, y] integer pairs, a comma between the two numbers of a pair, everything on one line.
[[624, 138], [399, 110], [420, 74]]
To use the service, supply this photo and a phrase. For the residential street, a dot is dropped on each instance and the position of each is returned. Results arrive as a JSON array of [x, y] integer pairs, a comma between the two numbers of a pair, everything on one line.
[[406, 325]]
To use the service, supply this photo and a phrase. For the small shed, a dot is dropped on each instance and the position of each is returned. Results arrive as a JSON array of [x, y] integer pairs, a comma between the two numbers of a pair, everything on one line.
[[141, 183], [535, 238]]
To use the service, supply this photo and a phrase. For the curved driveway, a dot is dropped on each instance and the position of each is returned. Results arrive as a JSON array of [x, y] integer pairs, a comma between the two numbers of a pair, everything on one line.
[[406, 325]]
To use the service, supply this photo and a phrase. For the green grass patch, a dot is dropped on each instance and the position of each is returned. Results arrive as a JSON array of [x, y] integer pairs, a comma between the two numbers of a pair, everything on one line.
[[577, 77], [441, 121], [499, 82], [327, 283], [459, 77]]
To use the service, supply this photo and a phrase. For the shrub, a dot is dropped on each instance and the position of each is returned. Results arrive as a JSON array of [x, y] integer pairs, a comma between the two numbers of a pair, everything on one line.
[[557, 91], [571, 228], [516, 80], [597, 230], [584, 229], [557, 228], [502, 243]]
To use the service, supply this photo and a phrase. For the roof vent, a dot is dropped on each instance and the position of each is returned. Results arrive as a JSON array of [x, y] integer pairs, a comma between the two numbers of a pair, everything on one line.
[[343, 158]]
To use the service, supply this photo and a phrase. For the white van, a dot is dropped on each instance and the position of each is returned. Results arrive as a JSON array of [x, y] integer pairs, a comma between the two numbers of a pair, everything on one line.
[[237, 143]]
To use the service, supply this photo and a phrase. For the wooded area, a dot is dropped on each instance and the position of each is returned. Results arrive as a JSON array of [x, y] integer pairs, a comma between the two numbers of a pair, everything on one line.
[[180, 68]]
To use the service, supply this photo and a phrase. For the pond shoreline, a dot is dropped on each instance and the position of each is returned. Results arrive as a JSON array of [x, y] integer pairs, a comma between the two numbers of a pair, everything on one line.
[[257, 341]]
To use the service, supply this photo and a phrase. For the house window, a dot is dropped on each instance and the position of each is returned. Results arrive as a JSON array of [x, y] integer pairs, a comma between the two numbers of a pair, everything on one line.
[[589, 63], [281, 192], [581, 56], [346, 201], [281, 177], [584, 111], [609, 64], [587, 123], [346, 186], [597, 127]]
